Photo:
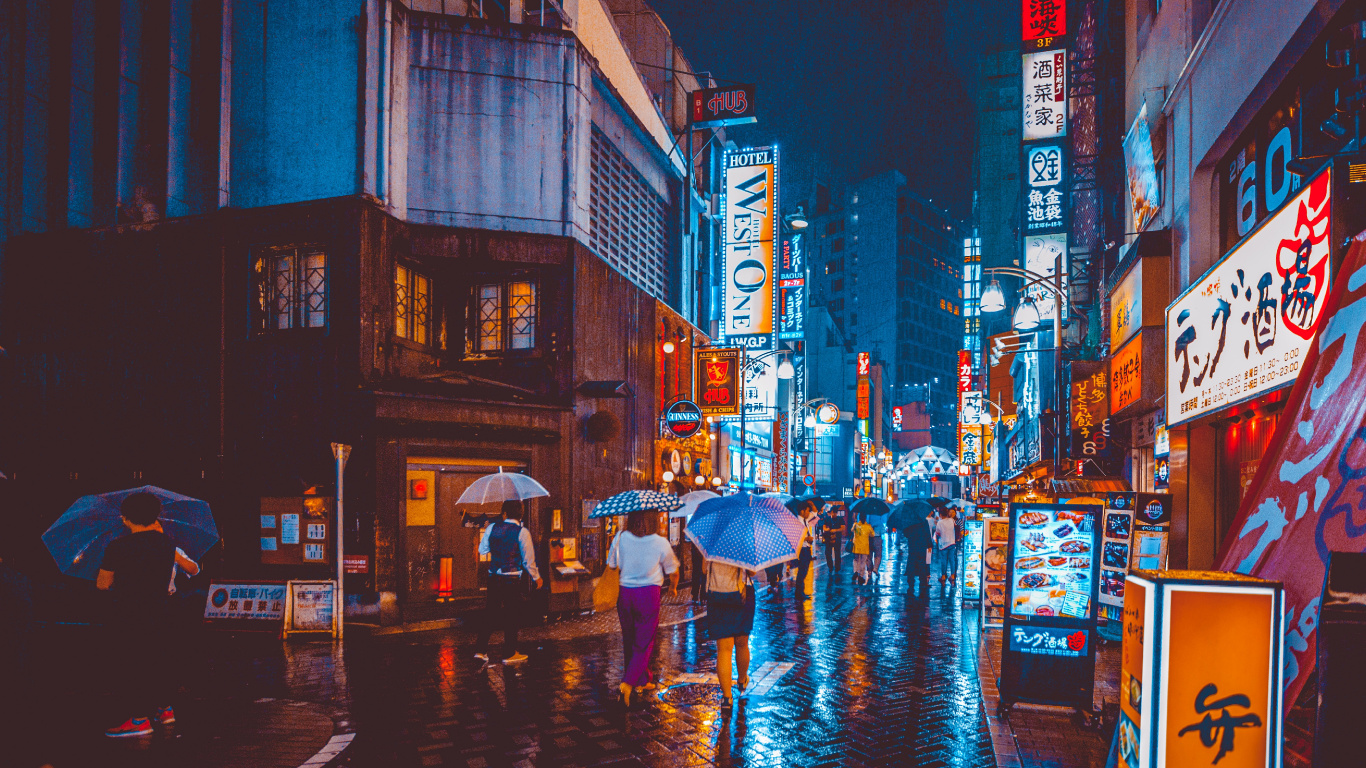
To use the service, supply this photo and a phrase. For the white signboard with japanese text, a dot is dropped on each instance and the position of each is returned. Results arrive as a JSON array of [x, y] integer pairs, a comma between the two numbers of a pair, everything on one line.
[[1045, 94], [1245, 326], [245, 601], [1045, 194]]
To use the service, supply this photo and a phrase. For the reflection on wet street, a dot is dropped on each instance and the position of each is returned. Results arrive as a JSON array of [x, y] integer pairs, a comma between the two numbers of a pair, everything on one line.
[[876, 678]]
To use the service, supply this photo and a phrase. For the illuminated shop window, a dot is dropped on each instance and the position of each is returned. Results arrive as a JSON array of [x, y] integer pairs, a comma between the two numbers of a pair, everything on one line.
[[290, 288], [505, 316], [412, 305]]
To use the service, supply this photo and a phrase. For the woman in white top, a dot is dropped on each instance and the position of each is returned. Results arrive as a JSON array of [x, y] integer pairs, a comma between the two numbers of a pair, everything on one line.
[[730, 619], [643, 558]]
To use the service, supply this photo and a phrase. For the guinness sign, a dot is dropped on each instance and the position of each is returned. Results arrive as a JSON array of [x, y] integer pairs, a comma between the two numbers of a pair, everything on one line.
[[749, 216], [683, 419]]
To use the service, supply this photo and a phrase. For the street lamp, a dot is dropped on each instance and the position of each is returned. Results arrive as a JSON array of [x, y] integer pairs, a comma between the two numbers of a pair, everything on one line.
[[993, 298], [1026, 316], [796, 219]]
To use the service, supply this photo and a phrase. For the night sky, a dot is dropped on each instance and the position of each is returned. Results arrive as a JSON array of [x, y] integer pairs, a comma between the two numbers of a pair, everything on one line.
[[848, 89]]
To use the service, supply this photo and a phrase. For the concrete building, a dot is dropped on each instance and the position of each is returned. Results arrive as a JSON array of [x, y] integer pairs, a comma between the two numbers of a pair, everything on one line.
[[392, 225], [1238, 100]]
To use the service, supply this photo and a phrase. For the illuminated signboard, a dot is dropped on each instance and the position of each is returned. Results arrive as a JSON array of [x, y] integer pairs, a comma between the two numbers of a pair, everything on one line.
[[1126, 307], [792, 287], [864, 387], [761, 389], [1044, 19], [1045, 95], [964, 370], [969, 446], [1090, 411], [1245, 326], [896, 418], [1126, 375], [828, 413], [718, 381], [749, 215], [1144, 191], [731, 105], [1043, 254], [1045, 188]]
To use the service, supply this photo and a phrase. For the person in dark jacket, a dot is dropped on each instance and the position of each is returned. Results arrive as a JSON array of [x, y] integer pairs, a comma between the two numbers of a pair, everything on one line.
[[512, 563], [916, 533]]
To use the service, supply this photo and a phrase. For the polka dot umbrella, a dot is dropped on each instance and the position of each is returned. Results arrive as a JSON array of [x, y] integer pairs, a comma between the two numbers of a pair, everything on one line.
[[746, 531], [634, 501]]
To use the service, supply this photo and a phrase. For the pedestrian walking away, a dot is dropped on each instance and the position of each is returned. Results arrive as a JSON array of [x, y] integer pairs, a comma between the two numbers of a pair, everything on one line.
[[832, 531], [729, 622], [134, 571], [863, 554], [877, 544], [511, 572], [946, 545], [808, 543], [699, 575], [643, 558], [915, 530]]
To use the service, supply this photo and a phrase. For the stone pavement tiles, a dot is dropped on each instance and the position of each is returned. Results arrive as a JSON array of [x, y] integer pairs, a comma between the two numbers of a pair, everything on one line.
[[874, 679]]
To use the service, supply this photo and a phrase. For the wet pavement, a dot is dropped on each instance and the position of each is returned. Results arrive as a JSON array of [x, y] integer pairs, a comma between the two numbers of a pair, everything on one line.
[[859, 676]]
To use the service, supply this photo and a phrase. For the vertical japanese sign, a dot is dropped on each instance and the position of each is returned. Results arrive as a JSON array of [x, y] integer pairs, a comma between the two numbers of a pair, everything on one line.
[[781, 454], [791, 287], [1126, 375], [718, 381], [1247, 325], [865, 390], [970, 446], [1126, 307], [1044, 19], [1303, 502], [1045, 94], [749, 222], [1045, 187], [1090, 411]]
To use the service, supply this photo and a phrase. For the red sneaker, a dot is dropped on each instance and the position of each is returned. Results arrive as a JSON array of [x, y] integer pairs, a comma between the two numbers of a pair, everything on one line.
[[166, 716], [133, 726]]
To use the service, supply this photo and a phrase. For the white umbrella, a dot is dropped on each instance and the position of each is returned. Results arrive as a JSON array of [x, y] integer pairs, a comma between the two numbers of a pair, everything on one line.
[[690, 502], [502, 486]]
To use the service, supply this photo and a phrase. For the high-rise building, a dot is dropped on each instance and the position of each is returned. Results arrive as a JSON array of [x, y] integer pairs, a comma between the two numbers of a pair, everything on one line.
[[886, 263]]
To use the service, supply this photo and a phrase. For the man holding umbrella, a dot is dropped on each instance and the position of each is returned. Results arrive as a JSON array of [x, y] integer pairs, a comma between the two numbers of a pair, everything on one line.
[[512, 560], [909, 520]]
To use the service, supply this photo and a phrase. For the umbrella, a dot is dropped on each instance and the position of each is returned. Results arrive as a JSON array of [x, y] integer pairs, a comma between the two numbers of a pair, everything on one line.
[[779, 495], [745, 531], [870, 506], [635, 501], [937, 501], [905, 512], [690, 502], [78, 538], [502, 486], [796, 504]]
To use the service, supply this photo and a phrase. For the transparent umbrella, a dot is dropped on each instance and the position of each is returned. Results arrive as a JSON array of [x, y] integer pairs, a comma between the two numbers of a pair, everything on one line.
[[502, 486]]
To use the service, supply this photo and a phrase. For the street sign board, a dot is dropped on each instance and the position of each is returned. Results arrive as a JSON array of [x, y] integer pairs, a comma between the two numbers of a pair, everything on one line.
[[683, 419]]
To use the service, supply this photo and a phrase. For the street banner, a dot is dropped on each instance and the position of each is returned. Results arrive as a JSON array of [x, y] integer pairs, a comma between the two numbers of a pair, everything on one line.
[[1303, 501], [749, 215]]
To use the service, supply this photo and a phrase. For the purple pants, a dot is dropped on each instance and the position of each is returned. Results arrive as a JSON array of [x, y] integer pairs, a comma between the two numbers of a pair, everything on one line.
[[638, 610]]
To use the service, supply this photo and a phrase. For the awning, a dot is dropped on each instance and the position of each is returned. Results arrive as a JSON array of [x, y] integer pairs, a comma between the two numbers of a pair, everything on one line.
[[1087, 485]]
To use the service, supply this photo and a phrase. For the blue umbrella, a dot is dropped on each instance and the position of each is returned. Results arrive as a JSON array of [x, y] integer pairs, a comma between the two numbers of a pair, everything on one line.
[[635, 501], [746, 531], [78, 538]]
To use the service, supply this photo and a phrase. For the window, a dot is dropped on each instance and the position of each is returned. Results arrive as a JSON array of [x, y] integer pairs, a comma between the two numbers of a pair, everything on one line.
[[628, 221], [836, 285], [291, 288], [505, 316], [837, 245], [412, 305], [822, 458]]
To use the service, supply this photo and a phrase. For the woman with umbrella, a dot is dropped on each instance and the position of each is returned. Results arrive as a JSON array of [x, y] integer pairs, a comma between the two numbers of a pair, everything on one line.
[[643, 558], [739, 536]]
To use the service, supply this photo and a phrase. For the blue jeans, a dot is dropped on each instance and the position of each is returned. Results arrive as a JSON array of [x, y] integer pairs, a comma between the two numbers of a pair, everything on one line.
[[947, 558]]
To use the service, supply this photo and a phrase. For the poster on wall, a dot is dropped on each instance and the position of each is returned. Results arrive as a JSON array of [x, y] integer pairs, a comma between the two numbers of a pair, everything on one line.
[[1144, 191], [1245, 327], [749, 207], [994, 556], [1116, 537], [1152, 528], [1043, 255], [973, 532]]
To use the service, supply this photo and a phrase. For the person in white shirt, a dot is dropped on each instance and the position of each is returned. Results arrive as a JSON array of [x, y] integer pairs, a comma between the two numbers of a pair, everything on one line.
[[946, 545], [512, 564], [644, 559], [729, 620]]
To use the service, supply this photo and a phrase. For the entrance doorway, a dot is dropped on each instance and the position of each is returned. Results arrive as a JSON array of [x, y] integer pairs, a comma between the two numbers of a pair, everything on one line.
[[442, 535]]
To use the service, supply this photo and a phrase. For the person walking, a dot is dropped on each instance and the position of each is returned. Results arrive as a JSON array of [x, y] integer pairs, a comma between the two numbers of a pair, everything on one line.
[[699, 575], [643, 558], [946, 545], [804, 549], [876, 544], [916, 532], [134, 571], [511, 569], [862, 549], [832, 531], [730, 619]]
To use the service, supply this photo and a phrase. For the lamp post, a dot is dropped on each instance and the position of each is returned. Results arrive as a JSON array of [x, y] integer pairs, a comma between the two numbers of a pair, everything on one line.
[[785, 373], [1026, 318]]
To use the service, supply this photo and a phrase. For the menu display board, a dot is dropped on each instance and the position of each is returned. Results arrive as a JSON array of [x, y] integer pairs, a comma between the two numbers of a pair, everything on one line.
[[310, 606], [973, 531], [1054, 558], [994, 555], [1152, 525], [1114, 553], [1048, 656]]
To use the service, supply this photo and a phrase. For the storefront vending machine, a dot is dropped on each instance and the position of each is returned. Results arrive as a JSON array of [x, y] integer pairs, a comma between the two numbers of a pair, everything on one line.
[[1200, 672], [1048, 653], [972, 559]]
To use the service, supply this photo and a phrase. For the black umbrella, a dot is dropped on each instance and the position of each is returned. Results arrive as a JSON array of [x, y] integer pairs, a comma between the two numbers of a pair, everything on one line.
[[871, 506], [908, 511], [937, 501], [796, 504]]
